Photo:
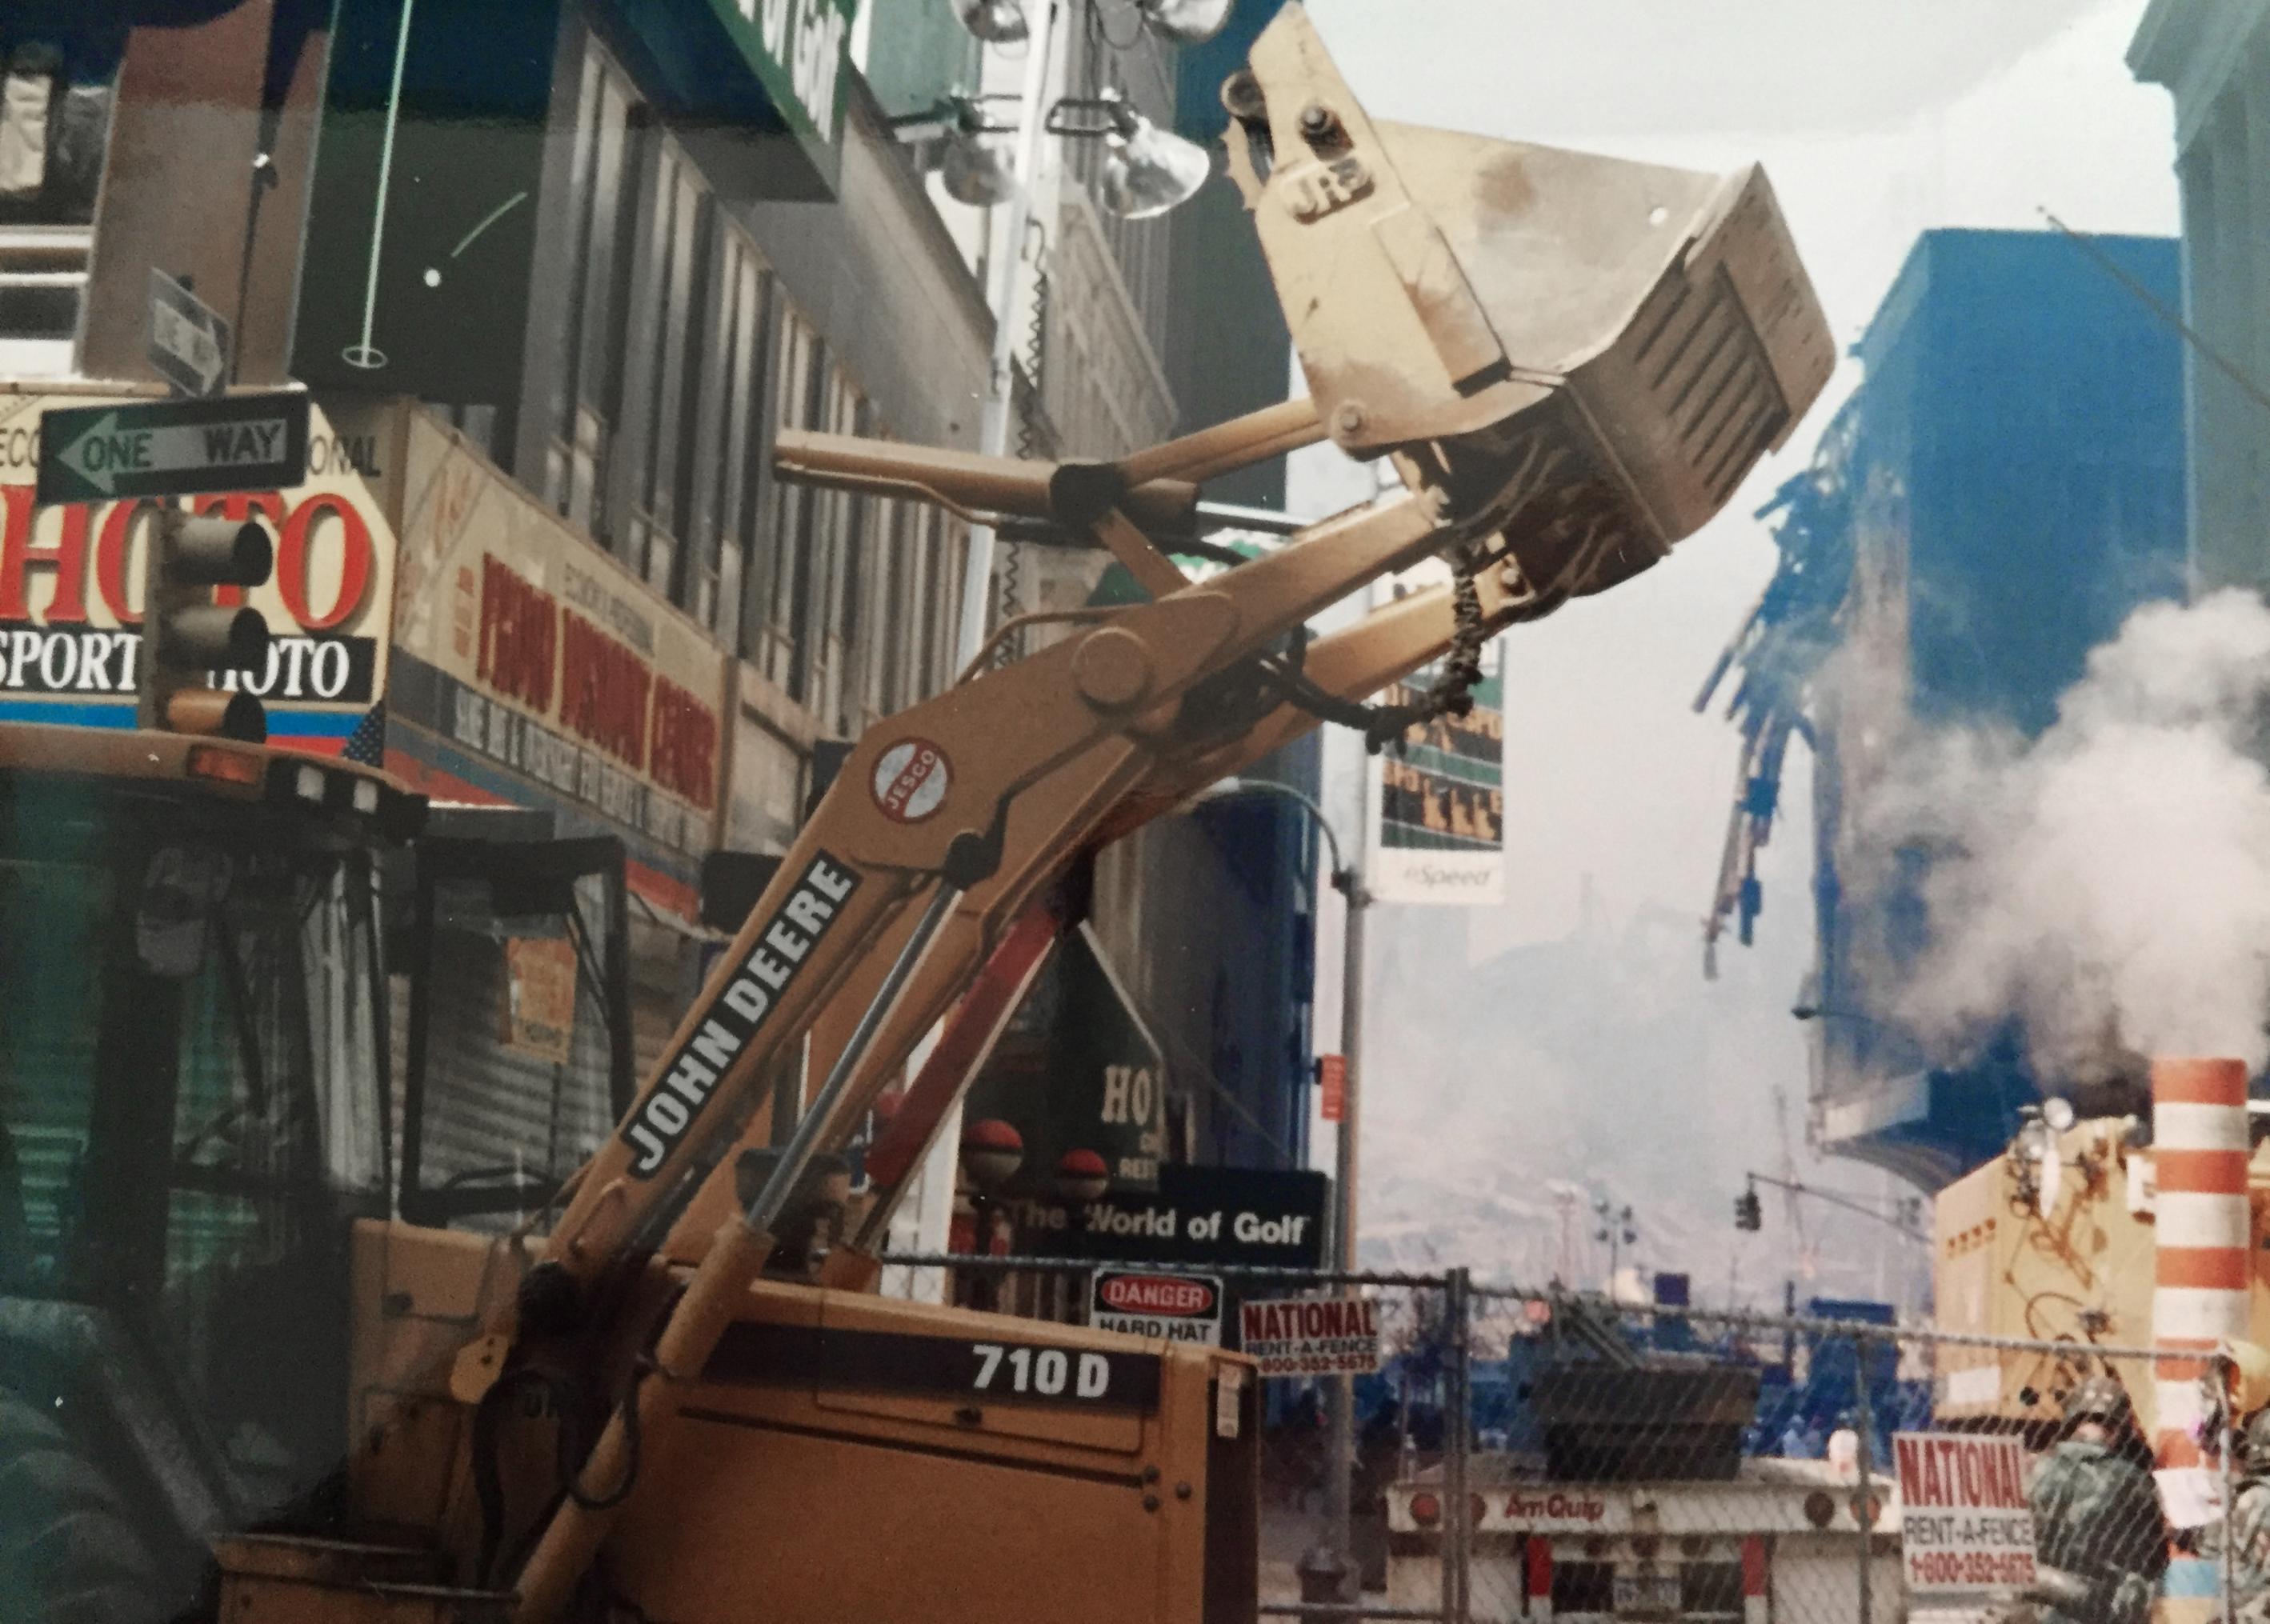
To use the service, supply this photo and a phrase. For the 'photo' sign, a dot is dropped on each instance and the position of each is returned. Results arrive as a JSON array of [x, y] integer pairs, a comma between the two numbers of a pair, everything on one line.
[[1312, 1336], [1964, 1523], [70, 577], [1180, 1307]]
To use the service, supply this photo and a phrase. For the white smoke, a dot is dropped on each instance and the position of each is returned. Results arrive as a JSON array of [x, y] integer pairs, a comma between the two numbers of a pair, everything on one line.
[[2107, 882]]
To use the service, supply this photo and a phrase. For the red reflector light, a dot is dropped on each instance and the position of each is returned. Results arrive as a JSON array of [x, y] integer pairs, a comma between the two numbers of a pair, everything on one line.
[[1426, 1510], [227, 766]]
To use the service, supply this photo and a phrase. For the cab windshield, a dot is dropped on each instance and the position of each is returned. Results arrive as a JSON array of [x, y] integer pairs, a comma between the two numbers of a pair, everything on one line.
[[190, 1091]]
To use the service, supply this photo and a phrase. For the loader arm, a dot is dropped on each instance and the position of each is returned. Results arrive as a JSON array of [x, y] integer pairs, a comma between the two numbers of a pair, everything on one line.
[[1571, 361], [989, 787], [1391, 643], [995, 782]]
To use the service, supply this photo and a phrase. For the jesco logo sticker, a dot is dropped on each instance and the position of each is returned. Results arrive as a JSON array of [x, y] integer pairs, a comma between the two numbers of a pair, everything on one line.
[[738, 1013], [911, 779]]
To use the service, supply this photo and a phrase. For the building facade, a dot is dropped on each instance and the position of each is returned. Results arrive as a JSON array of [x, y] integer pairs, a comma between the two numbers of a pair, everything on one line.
[[2004, 488], [555, 276], [2214, 56]]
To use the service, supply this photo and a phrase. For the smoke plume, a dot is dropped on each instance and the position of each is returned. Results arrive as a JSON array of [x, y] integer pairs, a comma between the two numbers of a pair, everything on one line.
[[2107, 882]]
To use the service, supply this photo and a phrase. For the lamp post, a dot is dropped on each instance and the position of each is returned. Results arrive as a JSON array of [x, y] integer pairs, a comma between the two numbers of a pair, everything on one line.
[[1000, 379], [1347, 879], [1149, 172], [1617, 1231]]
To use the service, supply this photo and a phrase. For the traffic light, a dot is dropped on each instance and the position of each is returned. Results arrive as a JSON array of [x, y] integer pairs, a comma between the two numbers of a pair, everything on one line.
[[1747, 1212], [187, 637]]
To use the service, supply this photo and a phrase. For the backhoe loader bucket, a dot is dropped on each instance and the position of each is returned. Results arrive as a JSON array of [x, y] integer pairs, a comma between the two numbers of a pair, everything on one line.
[[1584, 355]]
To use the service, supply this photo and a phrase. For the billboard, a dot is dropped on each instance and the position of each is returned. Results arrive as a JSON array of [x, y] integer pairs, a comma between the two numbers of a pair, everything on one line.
[[532, 669], [1436, 802], [70, 588]]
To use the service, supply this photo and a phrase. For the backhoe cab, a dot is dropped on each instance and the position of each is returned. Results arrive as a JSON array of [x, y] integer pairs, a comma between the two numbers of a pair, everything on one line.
[[193, 1057], [612, 1412]]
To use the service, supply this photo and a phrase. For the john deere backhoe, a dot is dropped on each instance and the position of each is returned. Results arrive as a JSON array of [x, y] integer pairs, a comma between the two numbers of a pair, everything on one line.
[[615, 1412]]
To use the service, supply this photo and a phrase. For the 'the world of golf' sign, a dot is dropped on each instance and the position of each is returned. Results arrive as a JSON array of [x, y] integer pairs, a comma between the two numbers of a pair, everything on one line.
[[247, 443]]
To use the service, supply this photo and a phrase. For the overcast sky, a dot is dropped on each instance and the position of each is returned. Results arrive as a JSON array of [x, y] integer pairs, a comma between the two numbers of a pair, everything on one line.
[[1875, 123]]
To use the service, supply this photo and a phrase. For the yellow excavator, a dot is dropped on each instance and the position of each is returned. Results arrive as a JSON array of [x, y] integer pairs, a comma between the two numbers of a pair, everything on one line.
[[630, 1407]]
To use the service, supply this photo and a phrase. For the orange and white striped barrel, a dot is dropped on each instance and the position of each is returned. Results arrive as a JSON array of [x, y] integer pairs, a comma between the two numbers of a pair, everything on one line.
[[2199, 1295]]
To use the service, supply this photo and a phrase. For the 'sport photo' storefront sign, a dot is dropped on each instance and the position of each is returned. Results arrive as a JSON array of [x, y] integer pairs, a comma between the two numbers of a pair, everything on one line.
[[70, 590]]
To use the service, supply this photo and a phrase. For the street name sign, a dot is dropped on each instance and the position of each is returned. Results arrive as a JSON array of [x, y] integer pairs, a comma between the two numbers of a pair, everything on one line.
[[188, 342], [173, 447]]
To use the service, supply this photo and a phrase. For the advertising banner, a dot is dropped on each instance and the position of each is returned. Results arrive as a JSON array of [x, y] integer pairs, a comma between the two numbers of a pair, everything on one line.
[[1180, 1308], [1199, 1216], [1965, 1527], [70, 590], [1076, 1070], [531, 669], [1312, 1336], [1437, 802]]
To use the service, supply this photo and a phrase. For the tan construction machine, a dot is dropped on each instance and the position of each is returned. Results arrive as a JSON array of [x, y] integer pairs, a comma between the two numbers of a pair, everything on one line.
[[2057, 1242], [629, 1407]]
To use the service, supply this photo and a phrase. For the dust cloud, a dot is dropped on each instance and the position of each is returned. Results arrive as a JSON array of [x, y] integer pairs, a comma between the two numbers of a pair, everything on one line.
[[2108, 883]]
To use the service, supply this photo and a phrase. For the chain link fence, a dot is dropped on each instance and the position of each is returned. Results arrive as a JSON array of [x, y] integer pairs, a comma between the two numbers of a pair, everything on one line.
[[1680, 1466]]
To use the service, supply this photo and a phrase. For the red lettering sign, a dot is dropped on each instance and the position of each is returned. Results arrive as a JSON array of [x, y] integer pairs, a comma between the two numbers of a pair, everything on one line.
[[299, 531], [1953, 1472], [1156, 1294], [296, 542], [604, 688], [67, 558], [684, 757], [519, 645]]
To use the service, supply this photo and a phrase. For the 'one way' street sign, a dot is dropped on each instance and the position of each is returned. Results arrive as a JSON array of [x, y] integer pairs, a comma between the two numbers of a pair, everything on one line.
[[188, 342], [173, 447]]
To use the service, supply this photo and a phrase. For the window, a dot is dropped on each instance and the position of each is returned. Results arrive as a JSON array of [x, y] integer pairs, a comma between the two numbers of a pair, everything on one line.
[[56, 72], [1583, 1587], [680, 363], [657, 418], [668, 285], [585, 404], [898, 610], [771, 643], [1711, 1590], [747, 285]]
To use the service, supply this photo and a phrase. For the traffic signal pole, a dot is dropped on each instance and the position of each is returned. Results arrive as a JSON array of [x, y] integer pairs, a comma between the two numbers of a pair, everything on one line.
[[186, 636], [1339, 1510]]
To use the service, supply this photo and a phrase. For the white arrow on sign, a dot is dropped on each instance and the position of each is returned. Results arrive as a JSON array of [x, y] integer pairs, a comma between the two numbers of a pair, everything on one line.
[[107, 451], [189, 342]]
